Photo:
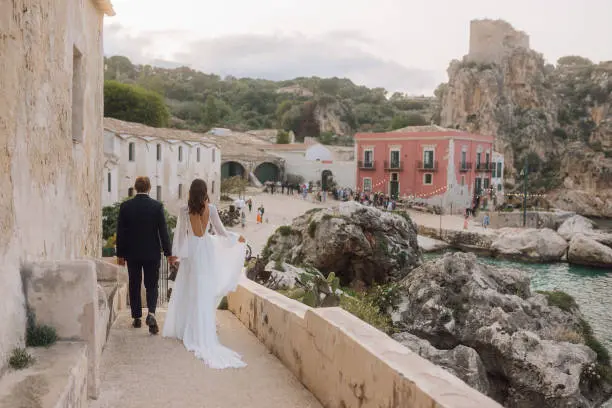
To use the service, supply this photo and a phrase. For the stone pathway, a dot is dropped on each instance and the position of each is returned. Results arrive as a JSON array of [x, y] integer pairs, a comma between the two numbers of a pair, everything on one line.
[[143, 371]]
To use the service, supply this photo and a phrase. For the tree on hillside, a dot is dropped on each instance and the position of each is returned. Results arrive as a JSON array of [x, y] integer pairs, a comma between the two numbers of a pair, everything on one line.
[[211, 115], [411, 119], [282, 137], [573, 60], [134, 104]]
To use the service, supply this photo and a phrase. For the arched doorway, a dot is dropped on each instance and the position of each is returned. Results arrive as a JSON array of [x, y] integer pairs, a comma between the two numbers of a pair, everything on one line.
[[232, 169], [267, 172], [327, 179]]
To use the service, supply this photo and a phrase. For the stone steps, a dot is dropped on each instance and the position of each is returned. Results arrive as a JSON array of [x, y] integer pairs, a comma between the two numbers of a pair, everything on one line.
[[57, 379]]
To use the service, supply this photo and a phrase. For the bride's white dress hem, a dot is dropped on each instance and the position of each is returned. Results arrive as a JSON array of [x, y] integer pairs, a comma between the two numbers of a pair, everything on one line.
[[210, 267]]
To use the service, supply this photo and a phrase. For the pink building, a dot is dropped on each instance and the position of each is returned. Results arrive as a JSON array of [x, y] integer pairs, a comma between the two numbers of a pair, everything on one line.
[[439, 166]]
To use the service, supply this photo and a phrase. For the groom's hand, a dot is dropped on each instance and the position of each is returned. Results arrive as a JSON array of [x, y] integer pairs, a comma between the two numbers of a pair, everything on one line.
[[172, 260], [121, 261]]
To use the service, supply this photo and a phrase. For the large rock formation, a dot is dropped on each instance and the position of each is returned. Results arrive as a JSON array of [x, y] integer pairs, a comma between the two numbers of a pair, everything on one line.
[[536, 245], [357, 242], [532, 346], [560, 118], [584, 250]]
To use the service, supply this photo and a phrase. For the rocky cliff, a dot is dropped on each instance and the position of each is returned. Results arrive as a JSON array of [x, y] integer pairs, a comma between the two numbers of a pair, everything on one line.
[[558, 117]]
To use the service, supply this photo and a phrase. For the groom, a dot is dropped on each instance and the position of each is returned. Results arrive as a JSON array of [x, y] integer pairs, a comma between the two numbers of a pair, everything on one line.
[[141, 235]]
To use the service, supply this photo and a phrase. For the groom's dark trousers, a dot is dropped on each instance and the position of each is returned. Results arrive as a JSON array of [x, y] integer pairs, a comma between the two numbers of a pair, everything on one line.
[[142, 233]]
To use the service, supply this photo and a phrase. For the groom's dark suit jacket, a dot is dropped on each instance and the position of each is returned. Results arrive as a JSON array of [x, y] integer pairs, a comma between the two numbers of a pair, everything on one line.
[[141, 230]]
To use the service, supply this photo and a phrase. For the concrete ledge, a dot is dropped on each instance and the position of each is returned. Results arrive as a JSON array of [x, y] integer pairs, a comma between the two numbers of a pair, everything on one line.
[[345, 362], [66, 296], [58, 379]]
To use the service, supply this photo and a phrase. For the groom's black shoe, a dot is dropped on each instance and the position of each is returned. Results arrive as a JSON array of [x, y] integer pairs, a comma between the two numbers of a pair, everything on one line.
[[137, 324], [152, 323]]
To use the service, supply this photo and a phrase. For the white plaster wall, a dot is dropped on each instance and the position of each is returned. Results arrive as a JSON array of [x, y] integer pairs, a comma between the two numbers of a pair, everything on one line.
[[167, 173], [318, 152], [50, 195], [343, 171]]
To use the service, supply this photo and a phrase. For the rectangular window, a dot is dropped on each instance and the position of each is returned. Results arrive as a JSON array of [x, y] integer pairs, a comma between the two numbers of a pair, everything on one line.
[[367, 184], [463, 159], [487, 158], [180, 191], [368, 156], [198, 154], [478, 156], [78, 96], [428, 159], [486, 184], [493, 168], [159, 193], [108, 178], [180, 153], [395, 159], [212, 190], [428, 179], [213, 155], [462, 181], [159, 152], [131, 152], [130, 191], [499, 169]]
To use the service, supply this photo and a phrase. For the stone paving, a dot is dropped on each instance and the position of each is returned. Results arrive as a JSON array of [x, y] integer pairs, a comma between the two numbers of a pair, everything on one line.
[[143, 371]]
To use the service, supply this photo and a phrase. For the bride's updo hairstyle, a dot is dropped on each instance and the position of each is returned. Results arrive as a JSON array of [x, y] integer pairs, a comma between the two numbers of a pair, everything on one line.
[[198, 197]]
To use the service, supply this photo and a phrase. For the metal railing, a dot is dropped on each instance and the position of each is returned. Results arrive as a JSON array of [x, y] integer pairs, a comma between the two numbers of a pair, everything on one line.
[[427, 166], [394, 165], [367, 165], [488, 167], [163, 293], [463, 167]]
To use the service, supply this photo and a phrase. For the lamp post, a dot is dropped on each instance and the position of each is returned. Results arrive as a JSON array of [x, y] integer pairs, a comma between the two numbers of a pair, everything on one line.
[[525, 173]]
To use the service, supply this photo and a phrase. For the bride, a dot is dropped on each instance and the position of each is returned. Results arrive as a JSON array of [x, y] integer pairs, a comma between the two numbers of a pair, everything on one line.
[[211, 266]]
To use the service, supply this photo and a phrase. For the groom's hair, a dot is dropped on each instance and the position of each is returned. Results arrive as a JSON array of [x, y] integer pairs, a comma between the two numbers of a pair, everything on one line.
[[142, 184]]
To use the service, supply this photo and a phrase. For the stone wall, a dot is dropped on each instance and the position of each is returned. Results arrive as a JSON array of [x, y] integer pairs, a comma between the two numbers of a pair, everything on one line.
[[491, 40], [342, 360], [50, 201]]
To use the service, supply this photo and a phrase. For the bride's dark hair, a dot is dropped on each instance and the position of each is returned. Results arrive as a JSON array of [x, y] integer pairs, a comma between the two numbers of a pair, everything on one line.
[[198, 197]]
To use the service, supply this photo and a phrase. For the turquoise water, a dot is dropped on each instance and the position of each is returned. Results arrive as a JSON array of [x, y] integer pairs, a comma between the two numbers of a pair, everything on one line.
[[592, 289]]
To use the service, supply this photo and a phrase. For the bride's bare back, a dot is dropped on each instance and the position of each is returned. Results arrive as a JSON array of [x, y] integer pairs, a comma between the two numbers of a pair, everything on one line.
[[199, 222]]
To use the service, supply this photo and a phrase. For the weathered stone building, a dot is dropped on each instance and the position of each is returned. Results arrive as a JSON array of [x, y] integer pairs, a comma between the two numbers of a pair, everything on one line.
[[51, 84], [171, 158]]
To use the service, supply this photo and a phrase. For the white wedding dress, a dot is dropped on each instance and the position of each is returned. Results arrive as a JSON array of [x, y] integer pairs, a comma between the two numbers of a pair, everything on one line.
[[210, 267]]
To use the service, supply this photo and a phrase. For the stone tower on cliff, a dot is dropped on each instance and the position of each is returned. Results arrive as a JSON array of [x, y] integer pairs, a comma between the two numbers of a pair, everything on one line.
[[492, 40]]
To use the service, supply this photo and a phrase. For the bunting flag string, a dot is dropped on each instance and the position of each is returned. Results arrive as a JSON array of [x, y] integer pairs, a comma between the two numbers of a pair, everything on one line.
[[491, 190]]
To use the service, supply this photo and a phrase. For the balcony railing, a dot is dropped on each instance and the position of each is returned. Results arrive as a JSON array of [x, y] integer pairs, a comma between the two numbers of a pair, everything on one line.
[[488, 167], [394, 165], [463, 167], [367, 165], [427, 166]]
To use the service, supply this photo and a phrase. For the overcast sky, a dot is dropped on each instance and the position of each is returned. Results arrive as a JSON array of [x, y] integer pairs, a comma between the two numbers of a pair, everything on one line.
[[403, 45]]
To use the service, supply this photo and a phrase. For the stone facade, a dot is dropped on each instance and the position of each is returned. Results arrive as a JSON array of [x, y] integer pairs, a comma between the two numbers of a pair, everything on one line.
[[492, 40], [171, 158], [51, 76]]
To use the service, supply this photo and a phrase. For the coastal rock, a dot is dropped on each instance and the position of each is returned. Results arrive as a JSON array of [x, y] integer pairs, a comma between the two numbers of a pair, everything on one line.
[[532, 351], [357, 242], [282, 275], [430, 244], [576, 225], [461, 361], [536, 245], [585, 250]]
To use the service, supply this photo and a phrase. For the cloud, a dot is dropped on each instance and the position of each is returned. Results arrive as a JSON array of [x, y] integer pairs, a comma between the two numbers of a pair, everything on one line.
[[275, 57]]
